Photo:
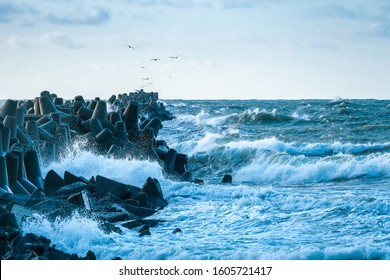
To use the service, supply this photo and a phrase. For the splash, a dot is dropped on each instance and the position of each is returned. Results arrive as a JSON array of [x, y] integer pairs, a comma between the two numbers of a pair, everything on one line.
[[87, 164]]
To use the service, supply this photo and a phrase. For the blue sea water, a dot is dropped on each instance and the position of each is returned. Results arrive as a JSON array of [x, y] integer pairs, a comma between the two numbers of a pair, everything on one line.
[[311, 180]]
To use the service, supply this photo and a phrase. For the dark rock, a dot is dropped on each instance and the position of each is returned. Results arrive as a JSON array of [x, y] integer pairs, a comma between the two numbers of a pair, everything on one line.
[[114, 217], [52, 204], [33, 169], [130, 116], [9, 220], [227, 178], [112, 99], [46, 105], [84, 113], [9, 108], [10, 122], [138, 211], [156, 125], [74, 188], [143, 233], [144, 228], [152, 187], [123, 191], [142, 199], [186, 177], [115, 117], [115, 151], [176, 230], [198, 181], [109, 228], [90, 255], [70, 178], [53, 182], [81, 199], [170, 159]]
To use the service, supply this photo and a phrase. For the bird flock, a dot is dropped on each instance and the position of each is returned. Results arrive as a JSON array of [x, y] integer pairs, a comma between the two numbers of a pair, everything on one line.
[[147, 80]]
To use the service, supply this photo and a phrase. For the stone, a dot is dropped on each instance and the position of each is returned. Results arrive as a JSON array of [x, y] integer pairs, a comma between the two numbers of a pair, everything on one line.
[[152, 187], [122, 191], [74, 188], [227, 178], [53, 182]]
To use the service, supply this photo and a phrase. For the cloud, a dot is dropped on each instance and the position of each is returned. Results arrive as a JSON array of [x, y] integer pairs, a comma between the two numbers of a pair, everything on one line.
[[10, 12], [338, 11], [375, 22], [93, 16], [16, 41], [376, 30], [211, 4], [61, 40], [29, 14]]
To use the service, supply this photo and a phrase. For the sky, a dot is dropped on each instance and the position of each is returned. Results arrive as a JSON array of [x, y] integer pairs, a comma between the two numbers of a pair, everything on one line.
[[227, 49]]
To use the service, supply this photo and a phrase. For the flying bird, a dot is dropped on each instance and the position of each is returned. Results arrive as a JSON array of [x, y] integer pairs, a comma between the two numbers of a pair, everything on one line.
[[174, 57], [130, 47], [155, 59]]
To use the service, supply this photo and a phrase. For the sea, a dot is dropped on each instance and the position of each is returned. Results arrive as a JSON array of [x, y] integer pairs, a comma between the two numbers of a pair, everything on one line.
[[310, 180]]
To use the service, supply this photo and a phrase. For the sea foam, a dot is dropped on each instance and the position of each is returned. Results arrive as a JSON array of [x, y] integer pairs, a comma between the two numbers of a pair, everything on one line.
[[87, 164]]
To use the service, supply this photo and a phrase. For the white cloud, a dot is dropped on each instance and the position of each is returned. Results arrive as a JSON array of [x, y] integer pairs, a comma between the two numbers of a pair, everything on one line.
[[59, 15], [93, 16], [10, 12], [16, 41], [61, 40], [211, 4]]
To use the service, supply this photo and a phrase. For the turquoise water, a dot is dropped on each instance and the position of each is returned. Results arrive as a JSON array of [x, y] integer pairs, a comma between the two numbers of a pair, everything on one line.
[[311, 180]]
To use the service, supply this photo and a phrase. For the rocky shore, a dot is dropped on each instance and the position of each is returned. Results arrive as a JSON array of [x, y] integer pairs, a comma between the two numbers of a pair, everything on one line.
[[42, 130]]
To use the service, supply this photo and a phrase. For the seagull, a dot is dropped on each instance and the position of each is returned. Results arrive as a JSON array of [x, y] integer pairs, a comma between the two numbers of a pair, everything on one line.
[[130, 47], [174, 57], [155, 59], [145, 79]]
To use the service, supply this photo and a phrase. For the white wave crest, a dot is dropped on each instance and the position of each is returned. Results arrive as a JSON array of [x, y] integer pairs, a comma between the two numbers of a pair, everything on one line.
[[279, 169], [86, 164]]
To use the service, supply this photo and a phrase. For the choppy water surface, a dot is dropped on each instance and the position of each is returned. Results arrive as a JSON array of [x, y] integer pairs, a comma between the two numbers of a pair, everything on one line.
[[311, 180]]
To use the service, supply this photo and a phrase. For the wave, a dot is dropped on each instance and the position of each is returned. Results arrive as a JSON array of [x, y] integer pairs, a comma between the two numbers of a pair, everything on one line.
[[75, 234], [273, 161], [282, 169], [248, 117], [87, 164], [260, 116], [212, 141], [362, 252]]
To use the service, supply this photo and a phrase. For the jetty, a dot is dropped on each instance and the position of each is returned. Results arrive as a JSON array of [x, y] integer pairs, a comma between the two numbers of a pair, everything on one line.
[[42, 130]]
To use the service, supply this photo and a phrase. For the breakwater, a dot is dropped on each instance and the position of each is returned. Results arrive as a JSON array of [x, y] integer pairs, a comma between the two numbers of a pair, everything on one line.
[[42, 130]]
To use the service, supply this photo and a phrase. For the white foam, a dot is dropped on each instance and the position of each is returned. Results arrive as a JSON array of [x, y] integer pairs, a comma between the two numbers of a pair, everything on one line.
[[86, 164], [282, 169], [76, 234], [203, 145]]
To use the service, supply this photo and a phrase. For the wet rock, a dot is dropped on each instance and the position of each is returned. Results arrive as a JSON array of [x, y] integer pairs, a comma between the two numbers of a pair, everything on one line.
[[82, 199], [143, 233], [53, 182], [70, 178], [74, 188], [123, 191], [152, 187], [227, 178]]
